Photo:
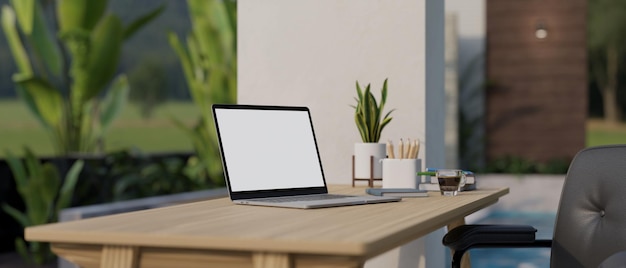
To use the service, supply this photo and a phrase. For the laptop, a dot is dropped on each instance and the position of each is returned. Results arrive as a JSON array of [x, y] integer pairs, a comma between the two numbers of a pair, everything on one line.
[[270, 158]]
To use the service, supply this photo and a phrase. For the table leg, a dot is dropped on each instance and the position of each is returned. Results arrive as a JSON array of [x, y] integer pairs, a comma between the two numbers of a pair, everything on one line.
[[119, 257], [272, 260], [465, 261]]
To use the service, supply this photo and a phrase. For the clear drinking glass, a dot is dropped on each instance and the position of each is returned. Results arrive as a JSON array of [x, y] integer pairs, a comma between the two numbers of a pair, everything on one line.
[[450, 181]]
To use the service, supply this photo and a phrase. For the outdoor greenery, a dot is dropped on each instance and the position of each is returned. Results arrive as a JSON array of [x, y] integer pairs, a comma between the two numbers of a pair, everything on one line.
[[367, 113], [518, 165], [209, 61], [130, 174], [44, 193], [70, 74], [138, 175], [607, 54], [149, 84], [158, 134], [599, 132], [129, 130], [67, 69]]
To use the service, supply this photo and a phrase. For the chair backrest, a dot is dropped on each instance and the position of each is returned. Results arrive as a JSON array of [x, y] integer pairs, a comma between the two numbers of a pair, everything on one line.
[[591, 220]]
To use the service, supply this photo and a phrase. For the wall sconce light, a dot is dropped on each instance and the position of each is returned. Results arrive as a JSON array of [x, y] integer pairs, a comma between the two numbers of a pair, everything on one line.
[[541, 32]]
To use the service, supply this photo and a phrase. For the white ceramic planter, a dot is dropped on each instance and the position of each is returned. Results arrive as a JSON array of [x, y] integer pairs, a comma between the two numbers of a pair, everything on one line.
[[362, 153]]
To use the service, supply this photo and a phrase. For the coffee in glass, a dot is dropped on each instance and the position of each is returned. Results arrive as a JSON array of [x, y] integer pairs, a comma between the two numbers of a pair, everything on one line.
[[450, 181]]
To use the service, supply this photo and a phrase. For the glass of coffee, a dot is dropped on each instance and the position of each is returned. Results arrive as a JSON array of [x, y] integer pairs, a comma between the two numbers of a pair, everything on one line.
[[450, 181]]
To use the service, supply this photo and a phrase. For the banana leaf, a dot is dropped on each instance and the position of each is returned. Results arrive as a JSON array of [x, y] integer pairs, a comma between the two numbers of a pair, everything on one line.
[[15, 44], [29, 101], [93, 13], [195, 86], [220, 22], [79, 14], [142, 21], [44, 44], [104, 54], [25, 10], [48, 101], [114, 101], [71, 14]]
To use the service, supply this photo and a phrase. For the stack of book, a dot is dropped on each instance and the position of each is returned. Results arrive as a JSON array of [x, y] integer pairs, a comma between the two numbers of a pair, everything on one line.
[[398, 192]]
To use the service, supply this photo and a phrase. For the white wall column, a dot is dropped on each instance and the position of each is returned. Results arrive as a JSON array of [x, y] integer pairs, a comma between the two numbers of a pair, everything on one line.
[[311, 53]]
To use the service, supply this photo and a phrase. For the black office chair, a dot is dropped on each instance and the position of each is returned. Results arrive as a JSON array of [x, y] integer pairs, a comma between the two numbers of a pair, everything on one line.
[[590, 227]]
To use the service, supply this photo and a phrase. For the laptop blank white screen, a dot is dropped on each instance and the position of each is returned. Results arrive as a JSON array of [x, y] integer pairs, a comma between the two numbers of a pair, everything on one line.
[[268, 149]]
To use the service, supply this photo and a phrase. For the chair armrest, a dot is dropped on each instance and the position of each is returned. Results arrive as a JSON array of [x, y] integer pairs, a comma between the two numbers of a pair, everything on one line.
[[464, 237], [467, 236]]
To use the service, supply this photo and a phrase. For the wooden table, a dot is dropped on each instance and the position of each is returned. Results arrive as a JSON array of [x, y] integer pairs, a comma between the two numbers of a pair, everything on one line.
[[217, 233]]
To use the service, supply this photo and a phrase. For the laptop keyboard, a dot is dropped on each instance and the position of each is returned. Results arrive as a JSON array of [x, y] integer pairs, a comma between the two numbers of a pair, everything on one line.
[[305, 198]]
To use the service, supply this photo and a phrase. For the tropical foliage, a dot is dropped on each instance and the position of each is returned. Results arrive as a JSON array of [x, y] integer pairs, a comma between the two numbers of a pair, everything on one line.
[[44, 194], [607, 40], [209, 61], [61, 74]]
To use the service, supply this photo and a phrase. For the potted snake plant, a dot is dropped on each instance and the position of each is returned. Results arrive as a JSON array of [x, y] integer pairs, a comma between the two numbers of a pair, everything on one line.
[[370, 122]]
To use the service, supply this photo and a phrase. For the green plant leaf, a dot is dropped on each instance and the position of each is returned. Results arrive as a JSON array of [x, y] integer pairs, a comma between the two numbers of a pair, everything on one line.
[[359, 92], [104, 54], [79, 14], [142, 21], [25, 11], [189, 70], [383, 124], [383, 95], [33, 166], [17, 169], [231, 11], [375, 119], [44, 43], [51, 182], [15, 43], [71, 13], [199, 62], [17, 215], [368, 113], [67, 189], [114, 101], [93, 13], [20, 247], [207, 32], [210, 67], [34, 194], [383, 98], [37, 209], [47, 99], [387, 115], [183, 56], [360, 123], [29, 101]]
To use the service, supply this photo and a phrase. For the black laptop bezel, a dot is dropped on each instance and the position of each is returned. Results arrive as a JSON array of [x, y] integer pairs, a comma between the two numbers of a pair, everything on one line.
[[274, 192]]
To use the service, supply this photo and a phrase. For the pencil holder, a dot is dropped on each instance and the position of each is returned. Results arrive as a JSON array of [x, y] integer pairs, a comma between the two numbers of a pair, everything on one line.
[[401, 173]]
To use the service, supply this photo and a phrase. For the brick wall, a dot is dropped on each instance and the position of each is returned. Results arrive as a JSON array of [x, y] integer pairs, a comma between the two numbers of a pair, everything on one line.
[[536, 94]]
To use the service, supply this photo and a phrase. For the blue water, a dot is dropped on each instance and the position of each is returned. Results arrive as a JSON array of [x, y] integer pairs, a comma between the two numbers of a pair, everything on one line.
[[516, 257]]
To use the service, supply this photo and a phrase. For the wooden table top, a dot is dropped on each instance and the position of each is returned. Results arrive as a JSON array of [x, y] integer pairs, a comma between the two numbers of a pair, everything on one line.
[[363, 230]]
